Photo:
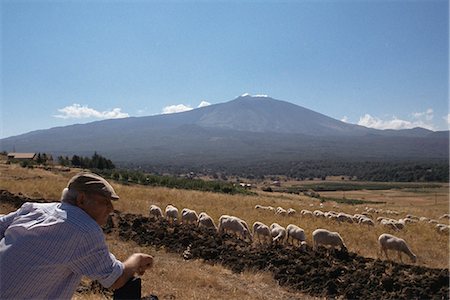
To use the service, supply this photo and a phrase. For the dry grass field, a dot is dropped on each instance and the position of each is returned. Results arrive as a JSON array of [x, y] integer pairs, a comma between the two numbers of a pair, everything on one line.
[[174, 278]]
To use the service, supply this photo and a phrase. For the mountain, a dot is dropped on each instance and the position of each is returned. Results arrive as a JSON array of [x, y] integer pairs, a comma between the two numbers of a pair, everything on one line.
[[246, 129]]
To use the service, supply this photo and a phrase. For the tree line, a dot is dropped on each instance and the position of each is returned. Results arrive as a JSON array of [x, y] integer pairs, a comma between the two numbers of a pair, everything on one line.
[[95, 162]]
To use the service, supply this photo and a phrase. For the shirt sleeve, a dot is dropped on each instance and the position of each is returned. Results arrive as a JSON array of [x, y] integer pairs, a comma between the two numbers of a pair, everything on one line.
[[5, 221], [94, 260]]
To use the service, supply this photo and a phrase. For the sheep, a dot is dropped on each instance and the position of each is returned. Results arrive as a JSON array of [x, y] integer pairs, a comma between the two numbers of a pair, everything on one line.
[[306, 212], [389, 224], [327, 238], [278, 233], [343, 217], [189, 216], [295, 233], [424, 219], [261, 230], [442, 228], [234, 225], [413, 217], [291, 212], [366, 221], [281, 211], [390, 242], [204, 220], [155, 212], [445, 216], [318, 213], [171, 214], [257, 206]]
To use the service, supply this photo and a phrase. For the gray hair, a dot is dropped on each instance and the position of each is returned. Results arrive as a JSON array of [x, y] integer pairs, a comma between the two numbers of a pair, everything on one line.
[[69, 196]]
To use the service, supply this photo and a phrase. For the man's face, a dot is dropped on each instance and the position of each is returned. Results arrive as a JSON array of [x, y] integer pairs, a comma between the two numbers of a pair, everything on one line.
[[97, 206]]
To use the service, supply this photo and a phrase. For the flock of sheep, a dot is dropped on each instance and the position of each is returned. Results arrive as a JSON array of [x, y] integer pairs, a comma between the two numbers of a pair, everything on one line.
[[293, 234], [365, 218]]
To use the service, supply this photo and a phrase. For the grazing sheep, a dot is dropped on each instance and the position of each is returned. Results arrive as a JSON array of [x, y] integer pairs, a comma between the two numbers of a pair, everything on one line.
[[189, 216], [327, 238], [390, 242], [278, 233], [366, 221], [281, 211], [424, 219], [343, 217], [408, 220], [261, 207], [445, 216], [234, 225], [306, 212], [261, 230], [413, 217], [171, 214], [295, 233], [389, 224], [291, 212], [204, 220], [442, 228], [432, 221], [318, 213], [155, 212]]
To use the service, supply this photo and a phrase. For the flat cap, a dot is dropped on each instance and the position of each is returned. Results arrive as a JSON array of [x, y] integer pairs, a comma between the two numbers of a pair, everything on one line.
[[92, 183]]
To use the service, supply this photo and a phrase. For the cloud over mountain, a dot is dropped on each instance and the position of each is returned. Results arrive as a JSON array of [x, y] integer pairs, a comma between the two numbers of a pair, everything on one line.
[[418, 119], [77, 111]]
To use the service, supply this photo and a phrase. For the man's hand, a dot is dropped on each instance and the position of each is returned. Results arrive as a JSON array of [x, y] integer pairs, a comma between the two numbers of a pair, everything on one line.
[[137, 263]]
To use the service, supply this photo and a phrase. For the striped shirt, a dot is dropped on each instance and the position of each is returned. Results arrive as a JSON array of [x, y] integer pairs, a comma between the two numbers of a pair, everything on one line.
[[45, 249]]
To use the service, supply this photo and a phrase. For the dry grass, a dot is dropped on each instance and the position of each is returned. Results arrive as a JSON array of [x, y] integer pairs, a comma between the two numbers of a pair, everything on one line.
[[181, 279]]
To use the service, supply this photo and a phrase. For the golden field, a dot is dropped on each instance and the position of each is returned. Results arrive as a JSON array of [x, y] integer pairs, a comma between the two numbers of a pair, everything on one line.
[[174, 278]]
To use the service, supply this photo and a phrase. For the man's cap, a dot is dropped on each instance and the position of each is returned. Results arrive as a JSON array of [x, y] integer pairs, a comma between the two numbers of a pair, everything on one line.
[[92, 183]]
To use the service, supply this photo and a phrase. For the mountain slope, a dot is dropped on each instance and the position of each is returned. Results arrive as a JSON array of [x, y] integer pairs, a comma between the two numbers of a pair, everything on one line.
[[244, 129]]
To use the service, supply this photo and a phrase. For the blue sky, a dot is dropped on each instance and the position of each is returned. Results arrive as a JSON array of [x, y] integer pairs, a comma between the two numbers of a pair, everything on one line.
[[382, 64]]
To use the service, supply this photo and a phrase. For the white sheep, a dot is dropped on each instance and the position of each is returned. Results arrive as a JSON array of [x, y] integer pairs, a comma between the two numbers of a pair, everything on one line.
[[171, 214], [366, 221], [306, 212], [389, 224], [280, 211], [291, 212], [204, 220], [235, 225], [296, 234], [278, 233], [343, 217], [189, 216], [442, 228], [318, 213], [261, 207], [390, 242], [261, 230], [155, 212], [445, 216], [327, 238]]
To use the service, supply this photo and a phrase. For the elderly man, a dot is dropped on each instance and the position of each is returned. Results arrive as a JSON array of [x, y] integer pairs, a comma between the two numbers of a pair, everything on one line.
[[45, 249]]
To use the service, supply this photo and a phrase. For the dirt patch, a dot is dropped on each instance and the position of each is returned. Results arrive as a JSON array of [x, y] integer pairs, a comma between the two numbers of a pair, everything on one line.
[[318, 273]]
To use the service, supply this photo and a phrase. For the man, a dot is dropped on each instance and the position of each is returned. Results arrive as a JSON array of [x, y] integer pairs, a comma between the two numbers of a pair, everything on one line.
[[46, 248]]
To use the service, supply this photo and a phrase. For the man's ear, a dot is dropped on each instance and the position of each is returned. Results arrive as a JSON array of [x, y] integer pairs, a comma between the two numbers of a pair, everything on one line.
[[81, 197]]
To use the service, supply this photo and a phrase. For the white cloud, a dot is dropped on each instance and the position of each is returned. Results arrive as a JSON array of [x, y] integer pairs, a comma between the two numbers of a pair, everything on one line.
[[419, 119], [171, 109], [344, 119], [203, 104], [447, 119], [76, 111]]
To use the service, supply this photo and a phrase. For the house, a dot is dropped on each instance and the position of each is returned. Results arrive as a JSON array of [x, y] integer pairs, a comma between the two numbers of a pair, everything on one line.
[[17, 156]]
